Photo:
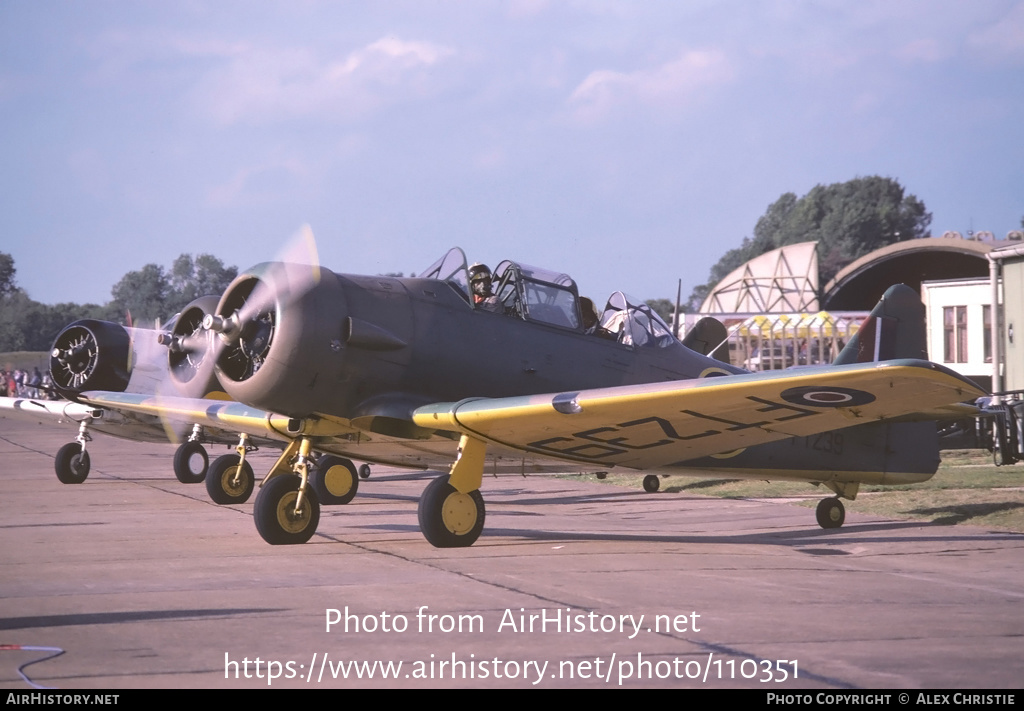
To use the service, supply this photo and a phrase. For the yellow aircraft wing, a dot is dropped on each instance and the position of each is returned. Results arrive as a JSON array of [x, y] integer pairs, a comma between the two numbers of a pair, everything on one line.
[[223, 415], [645, 426], [656, 425]]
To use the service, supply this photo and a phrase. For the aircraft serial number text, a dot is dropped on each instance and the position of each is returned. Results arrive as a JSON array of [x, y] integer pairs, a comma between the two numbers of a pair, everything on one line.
[[651, 432]]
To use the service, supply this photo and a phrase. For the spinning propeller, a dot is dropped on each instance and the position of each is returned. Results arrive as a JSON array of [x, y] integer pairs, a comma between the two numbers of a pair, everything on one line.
[[236, 333]]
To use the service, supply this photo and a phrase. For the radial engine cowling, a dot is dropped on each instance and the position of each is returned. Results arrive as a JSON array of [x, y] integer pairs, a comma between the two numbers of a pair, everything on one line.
[[282, 346], [190, 351], [91, 355]]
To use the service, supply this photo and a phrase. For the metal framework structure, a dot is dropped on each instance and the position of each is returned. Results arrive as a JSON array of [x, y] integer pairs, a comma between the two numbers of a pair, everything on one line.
[[784, 280]]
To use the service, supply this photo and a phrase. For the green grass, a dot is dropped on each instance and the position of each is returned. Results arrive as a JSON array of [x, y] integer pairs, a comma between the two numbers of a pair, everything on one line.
[[967, 489]]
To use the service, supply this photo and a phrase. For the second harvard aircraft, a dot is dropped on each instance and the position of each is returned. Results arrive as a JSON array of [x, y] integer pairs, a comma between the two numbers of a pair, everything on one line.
[[515, 372]]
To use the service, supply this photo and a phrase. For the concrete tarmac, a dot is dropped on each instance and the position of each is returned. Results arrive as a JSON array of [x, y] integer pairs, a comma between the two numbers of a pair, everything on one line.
[[143, 582]]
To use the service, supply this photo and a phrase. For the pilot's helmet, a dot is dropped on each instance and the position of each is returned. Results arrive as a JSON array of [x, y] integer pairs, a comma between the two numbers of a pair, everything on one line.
[[480, 279]]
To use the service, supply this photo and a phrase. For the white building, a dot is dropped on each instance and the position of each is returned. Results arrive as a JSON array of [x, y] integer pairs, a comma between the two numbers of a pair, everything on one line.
[[958, 314]]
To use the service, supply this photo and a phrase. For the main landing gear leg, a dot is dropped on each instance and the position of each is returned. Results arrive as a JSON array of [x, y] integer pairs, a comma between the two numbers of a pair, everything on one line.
[[451, 509], [231, 480], [191, 461], [72, 461], [287, 510]]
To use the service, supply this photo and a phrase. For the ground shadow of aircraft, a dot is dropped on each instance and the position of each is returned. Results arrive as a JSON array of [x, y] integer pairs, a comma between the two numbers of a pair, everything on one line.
[[510, 373]]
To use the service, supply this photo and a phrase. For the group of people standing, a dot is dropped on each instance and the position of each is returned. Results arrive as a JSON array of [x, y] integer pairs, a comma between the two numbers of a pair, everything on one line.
[[22, 383]]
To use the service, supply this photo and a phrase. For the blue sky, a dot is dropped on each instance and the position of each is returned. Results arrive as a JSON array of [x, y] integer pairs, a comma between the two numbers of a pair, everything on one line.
[[628, 144]]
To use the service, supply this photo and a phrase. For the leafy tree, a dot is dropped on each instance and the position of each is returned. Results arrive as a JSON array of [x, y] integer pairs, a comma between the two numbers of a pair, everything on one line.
[[147, 294], [152, 293], [848, 220], [662, 307], [7, 272], [13, 307], [143, 294], [191, 278]]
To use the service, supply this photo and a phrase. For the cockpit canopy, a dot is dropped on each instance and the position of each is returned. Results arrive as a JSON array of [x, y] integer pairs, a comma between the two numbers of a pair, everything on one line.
[[634, 323], [535, 294], [543, 296]]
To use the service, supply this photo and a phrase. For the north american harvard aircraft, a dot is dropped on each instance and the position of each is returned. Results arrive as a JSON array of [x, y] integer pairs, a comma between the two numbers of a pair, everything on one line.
[[108, 355], [414, 372]]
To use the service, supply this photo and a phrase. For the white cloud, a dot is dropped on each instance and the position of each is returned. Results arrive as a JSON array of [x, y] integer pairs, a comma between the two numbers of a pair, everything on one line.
[[672, 85], [256, 184], [268, 85], [924, 50], [518, 9], [1003, 38]]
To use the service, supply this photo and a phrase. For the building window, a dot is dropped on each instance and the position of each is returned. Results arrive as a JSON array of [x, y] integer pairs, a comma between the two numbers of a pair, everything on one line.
[[954, 324], [986, 317]]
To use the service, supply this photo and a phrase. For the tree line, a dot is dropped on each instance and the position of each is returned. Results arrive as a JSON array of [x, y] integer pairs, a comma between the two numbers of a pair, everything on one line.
[[848, 220], [140, 297]]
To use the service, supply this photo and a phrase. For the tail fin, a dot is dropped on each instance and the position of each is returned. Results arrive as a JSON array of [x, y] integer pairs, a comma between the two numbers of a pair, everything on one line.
[[895, 329]]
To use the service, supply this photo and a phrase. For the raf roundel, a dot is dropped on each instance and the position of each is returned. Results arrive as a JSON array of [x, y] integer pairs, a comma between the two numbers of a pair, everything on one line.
[[823, 396]]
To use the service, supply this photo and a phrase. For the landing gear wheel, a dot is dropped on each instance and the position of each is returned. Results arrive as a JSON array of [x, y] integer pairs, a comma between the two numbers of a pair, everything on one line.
[[71, 463], [191, 463], [275, 516], [831, 513], [448, 518], [651, 483], [335, 480], [364, 471], [1000, 442], [226, 483]]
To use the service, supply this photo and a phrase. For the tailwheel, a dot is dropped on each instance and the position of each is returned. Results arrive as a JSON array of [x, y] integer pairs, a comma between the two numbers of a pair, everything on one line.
[[830, 513], [72, 463], [449, 518], [335, 480], [364, 471], [191, 462], [651, 483], [279, 521], [229, 480]]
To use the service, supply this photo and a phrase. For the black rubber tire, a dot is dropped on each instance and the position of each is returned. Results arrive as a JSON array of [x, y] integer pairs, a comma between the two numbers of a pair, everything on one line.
[[1000, 442], [185, 457], [335, 480], [71, 464], [830, 513], [364, 471], [272, 512], [220, 483], [449, 519], [651, 483]]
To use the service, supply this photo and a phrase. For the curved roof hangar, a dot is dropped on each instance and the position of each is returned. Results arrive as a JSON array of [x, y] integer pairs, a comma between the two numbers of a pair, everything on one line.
[[860, 285]]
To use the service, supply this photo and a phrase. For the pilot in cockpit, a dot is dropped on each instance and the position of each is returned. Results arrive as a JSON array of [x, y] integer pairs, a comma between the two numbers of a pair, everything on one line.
[[480, 283]]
